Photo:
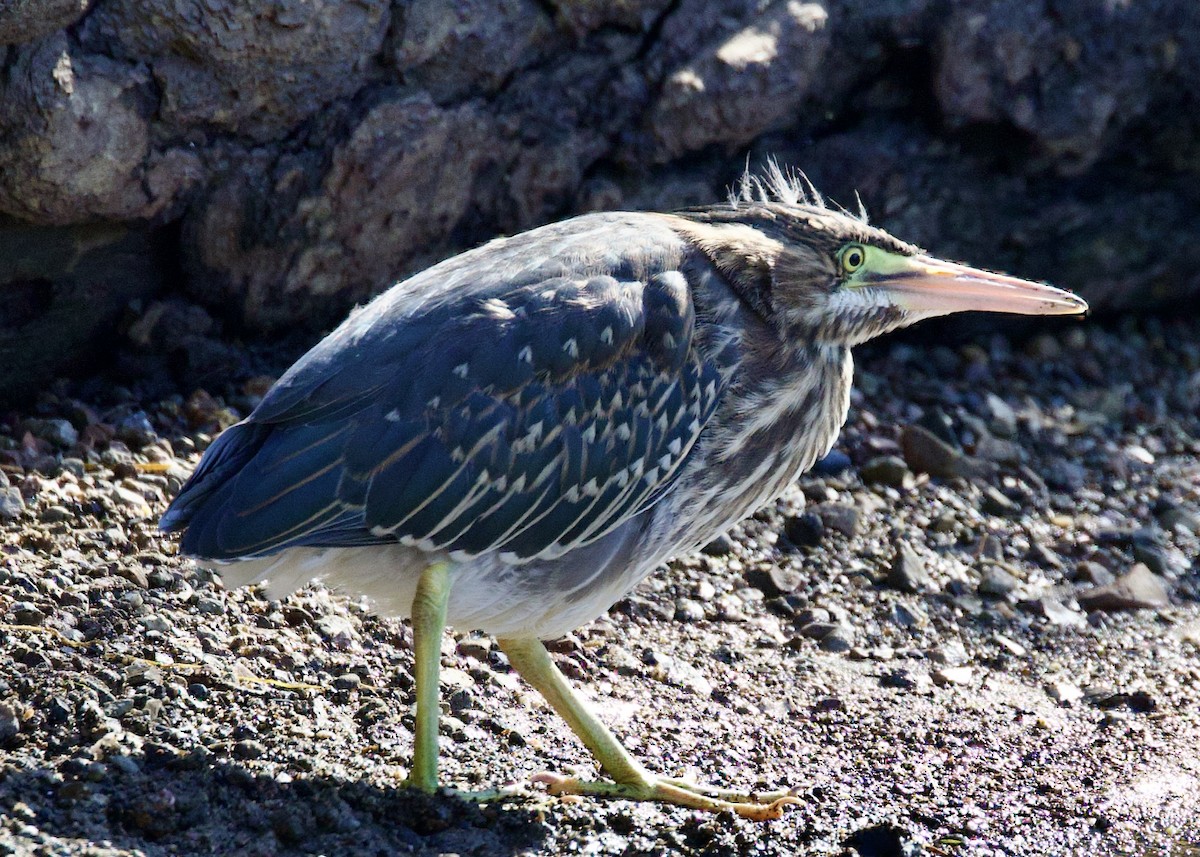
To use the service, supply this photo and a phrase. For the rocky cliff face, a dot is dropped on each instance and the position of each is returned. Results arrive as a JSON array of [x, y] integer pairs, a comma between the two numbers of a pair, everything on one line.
[[276, 162]]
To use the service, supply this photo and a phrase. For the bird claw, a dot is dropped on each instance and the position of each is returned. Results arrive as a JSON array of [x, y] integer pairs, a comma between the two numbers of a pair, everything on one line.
[[757, 807]]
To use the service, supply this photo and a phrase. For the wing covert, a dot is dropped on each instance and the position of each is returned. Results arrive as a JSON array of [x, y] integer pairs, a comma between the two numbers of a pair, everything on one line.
[[528, 422]]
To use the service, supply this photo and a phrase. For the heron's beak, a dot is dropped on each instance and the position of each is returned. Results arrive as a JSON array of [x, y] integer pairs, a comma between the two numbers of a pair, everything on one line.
[[926, 286]]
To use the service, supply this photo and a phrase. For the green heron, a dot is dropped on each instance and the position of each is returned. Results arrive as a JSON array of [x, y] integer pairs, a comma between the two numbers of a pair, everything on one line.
[[512, 439]]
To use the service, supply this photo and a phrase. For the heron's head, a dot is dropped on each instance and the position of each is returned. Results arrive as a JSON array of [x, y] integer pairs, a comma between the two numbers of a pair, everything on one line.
[[828, 275]]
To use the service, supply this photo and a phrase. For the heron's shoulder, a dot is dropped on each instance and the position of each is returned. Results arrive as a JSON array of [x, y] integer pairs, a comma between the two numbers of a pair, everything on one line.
[[566, 298]]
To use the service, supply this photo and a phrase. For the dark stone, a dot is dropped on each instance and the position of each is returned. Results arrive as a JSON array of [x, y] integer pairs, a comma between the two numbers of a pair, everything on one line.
[[880, 840], [833, 464], [29, 20], [774, 580], [805, 530], [841, 518], [925, 452], [722, 545], [889, 470], [997, 582], [908, 572], [996, 503]]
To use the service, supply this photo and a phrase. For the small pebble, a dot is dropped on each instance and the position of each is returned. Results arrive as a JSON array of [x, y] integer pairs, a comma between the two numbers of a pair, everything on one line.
[[1064, 692], [997, 582], [840, 517], [805, 530], [952, 675], [889, 470]]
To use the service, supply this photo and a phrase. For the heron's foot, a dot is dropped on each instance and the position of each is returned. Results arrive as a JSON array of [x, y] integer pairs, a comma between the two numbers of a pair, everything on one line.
[[758, 807]]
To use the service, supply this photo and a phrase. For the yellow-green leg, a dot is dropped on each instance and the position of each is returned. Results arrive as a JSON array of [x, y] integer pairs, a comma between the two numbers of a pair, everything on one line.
[[631, 780], [428, 622]]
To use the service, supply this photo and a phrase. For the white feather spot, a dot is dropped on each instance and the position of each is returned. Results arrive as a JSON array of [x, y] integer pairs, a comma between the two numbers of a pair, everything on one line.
[[589, 433], [606, 336], [392, 416], [571, 347], [623, 432], [525, 355], [676, 446], [461, 369]]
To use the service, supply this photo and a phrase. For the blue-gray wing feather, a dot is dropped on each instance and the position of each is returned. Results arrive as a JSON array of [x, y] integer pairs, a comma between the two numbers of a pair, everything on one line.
[[529, 420]]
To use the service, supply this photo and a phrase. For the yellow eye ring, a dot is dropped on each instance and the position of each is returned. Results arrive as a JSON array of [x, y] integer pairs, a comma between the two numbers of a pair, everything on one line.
[[852, 257]]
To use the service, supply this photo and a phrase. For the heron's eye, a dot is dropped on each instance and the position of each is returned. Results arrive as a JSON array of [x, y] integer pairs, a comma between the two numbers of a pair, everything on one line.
[[852, 257]]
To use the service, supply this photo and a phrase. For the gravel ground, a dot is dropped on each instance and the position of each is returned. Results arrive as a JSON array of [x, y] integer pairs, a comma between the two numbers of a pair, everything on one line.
[[975, 631]]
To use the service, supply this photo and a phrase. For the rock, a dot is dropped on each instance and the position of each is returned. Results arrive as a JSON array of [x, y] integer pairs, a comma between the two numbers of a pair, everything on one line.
[[925, 452], [11, 504], [1064, 692], [833, 464], [347, 681], [1139, 701], [1160, 558], [952, 675], [134, 502], [1136, 589], [30, 20], [809, 615], [10, 722], [27, 613], [996, 503], [840, 639], [338, 630], [951, 654], [248, 749], [1057, 613], [722, 545], [908, 572], [805, 530], [136, 430], [57, 431], [1173, 516], [55, 514], [997, 582], [1093, 573], [903, 679], [1003, 417], [889, 470], [1010, 645], [730, 608], [818, 630], [774, 580], [905, 617], [748, 76], [841, 518], [688, 610]]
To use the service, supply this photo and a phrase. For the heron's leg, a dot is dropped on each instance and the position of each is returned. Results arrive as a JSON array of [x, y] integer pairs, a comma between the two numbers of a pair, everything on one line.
[[632, 781], [428, 621]]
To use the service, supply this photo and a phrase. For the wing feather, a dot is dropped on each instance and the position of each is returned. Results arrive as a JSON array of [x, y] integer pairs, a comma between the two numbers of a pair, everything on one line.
[[528, 419]]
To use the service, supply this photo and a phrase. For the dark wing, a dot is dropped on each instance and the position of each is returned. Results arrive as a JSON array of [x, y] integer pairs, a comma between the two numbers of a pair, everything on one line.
[[527, 421]]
